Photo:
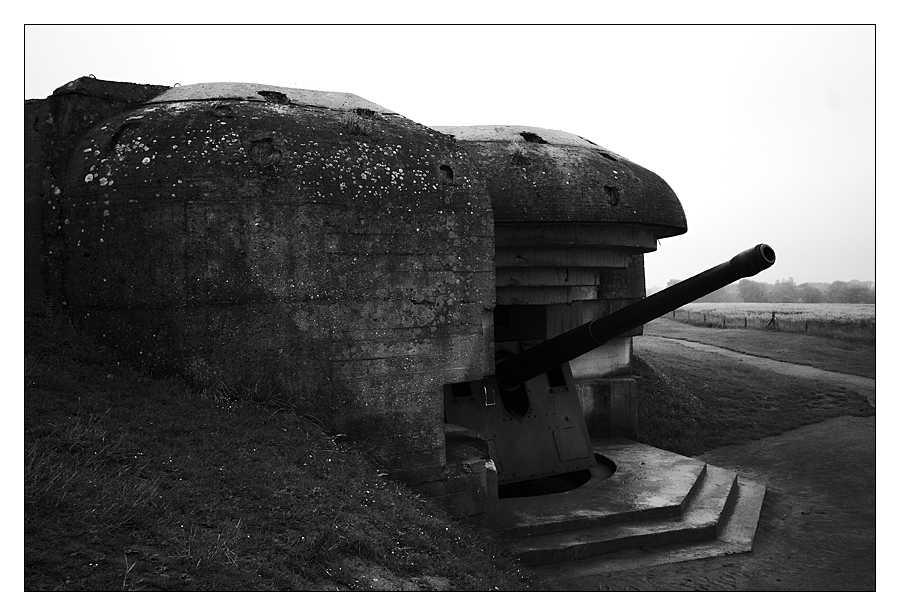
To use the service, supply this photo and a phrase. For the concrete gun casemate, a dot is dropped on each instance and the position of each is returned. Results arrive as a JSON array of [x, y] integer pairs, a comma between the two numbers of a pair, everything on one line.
[[463, 300]]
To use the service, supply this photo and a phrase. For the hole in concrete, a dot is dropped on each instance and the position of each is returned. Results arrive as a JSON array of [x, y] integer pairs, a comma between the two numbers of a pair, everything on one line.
[[532, 138], [558, 484], [447, 172], [612, 194], [605, 155], [274, 97], [461, 390], [223, 111], [555, 377]]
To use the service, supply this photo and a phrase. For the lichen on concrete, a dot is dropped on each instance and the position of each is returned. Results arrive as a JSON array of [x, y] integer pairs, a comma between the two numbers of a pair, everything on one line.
[[265, 238]]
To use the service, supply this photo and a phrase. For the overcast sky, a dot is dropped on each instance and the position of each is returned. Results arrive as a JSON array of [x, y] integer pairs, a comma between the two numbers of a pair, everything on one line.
[[766, 134]]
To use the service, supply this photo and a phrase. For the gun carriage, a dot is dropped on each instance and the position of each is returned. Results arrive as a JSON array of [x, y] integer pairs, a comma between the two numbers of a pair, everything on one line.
[[529, 413]]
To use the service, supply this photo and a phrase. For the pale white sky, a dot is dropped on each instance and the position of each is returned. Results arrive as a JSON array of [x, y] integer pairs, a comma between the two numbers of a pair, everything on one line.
[[766, 133]]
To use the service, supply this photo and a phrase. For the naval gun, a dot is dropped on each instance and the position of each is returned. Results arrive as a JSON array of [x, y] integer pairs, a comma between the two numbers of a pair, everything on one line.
[[528, 412]]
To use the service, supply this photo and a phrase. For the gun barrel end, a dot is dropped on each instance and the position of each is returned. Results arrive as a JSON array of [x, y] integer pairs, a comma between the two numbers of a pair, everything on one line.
[[766, 254], [754, 260]]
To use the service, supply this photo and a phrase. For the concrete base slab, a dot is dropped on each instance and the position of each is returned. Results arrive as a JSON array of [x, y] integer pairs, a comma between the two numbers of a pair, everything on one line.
[[647, 483], [657, 507]]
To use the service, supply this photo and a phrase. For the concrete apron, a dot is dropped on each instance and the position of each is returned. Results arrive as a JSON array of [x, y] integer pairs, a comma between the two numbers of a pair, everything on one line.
[[657, 507]]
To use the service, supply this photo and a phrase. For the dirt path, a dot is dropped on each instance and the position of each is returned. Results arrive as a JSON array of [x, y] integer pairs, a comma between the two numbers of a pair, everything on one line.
[[817, 527], [663, 344]]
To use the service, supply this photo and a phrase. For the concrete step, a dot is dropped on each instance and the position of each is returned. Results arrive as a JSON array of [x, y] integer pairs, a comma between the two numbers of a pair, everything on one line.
[[648, 483], [702, 517], [735, 536]]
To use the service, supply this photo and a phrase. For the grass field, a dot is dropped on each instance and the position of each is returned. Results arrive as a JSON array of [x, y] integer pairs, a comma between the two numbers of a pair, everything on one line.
[[840, 321], [849, 356], [691, 402]]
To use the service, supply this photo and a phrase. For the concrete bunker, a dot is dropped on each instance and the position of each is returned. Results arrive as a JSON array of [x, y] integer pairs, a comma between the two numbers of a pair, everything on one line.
[[403, 280], [314, 243]]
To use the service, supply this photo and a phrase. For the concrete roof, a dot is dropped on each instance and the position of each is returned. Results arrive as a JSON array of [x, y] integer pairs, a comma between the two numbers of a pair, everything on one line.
[[265, 93], [494, 132]]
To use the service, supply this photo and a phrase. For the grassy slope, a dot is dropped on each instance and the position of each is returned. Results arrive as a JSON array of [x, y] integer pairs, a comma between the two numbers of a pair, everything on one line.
[[134, 483], [693, 402], [848, 357]]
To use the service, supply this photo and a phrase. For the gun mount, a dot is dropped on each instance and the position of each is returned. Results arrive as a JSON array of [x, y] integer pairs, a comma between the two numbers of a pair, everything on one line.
[[535, 427]]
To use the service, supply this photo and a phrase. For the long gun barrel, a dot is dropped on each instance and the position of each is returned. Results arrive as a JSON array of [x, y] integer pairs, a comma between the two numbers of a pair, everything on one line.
[[517, 369]]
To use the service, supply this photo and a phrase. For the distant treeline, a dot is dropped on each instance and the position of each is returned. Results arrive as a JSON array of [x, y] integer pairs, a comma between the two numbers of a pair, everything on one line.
[[787, 291]]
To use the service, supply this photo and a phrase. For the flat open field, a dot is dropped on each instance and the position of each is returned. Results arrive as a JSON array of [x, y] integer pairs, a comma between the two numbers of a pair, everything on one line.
[[850, 321], [849, 356]]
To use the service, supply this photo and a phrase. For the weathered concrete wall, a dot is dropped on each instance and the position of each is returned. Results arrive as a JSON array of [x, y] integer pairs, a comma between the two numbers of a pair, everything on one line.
[[38, 194], [313, 243], [52, 128], [573, 220], [540, 175]]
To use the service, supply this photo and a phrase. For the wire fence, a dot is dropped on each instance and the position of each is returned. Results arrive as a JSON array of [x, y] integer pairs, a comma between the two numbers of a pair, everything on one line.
[[859, 329]]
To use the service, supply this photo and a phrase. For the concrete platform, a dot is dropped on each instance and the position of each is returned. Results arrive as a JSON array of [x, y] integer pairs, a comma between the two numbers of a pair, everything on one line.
[[656, 507]]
